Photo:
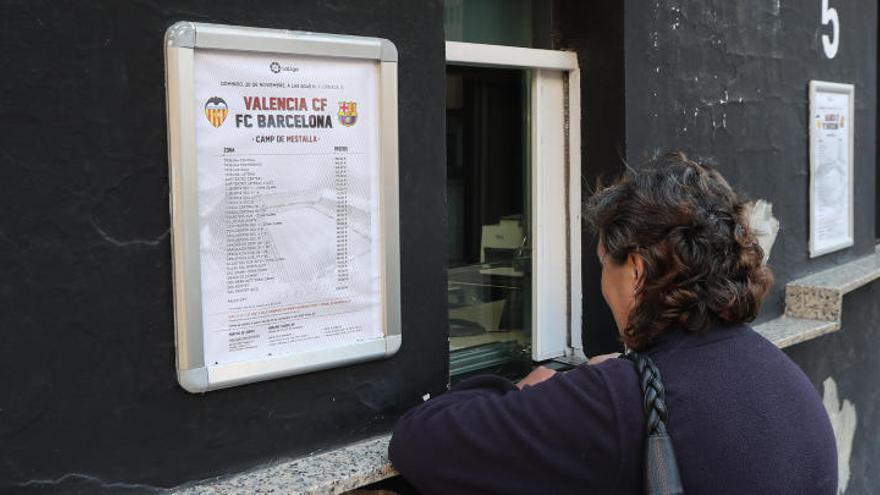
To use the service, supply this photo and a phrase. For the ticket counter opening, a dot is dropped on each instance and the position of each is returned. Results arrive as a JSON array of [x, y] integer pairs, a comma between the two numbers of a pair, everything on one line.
[[490, 276]]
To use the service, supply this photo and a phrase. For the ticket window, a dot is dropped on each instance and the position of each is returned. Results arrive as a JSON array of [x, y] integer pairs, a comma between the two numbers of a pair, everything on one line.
[[490, 276], [513, 198]]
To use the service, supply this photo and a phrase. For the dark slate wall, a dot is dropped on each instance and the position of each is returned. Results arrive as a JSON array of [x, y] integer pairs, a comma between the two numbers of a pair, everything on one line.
[[87, 381], [728, 80]]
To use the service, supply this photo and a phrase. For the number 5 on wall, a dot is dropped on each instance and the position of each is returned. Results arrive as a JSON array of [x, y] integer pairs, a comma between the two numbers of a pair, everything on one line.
[[829, 15]]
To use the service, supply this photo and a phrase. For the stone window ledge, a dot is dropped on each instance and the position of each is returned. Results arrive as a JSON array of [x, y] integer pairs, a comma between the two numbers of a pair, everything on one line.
[[814, 304], [813, 307], [336, 471]]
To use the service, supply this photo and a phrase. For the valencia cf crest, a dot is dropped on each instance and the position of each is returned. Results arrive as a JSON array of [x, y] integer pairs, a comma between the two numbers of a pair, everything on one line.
[[216, 111], [347, 113]]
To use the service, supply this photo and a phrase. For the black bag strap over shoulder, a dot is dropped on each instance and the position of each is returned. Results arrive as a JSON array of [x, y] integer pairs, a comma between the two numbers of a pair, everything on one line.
[[661, 469]]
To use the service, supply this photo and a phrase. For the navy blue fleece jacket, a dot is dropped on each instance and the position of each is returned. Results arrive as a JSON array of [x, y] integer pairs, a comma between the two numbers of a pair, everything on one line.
[[742, 416]]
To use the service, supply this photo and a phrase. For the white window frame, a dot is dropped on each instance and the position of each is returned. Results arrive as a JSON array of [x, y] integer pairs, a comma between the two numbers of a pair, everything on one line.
[[557, 293]]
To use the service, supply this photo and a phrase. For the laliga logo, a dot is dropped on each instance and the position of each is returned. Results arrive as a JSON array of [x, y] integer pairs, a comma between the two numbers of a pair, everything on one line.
[[277, 68], [216, 111]]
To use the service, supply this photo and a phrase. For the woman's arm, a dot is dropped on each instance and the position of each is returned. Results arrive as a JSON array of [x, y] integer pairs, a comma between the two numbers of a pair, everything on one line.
[[487, 436]]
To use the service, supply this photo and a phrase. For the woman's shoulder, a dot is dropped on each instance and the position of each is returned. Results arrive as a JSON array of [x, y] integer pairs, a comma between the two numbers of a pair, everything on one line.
[[612, 372], [619, 382]]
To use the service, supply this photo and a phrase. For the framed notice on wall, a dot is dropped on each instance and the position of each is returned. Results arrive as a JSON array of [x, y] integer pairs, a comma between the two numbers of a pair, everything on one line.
[[832, 139], [284, 201]]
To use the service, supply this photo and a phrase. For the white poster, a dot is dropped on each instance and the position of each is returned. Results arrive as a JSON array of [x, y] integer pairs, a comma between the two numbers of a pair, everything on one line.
[[831, 167], [288, 200]]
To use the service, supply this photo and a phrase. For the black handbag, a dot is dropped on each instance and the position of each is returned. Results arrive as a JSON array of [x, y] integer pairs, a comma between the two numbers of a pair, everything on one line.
[[661, 476]]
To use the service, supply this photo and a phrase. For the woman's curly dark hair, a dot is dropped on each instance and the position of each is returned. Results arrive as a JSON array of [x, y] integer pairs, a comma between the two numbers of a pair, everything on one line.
[[703, 264]]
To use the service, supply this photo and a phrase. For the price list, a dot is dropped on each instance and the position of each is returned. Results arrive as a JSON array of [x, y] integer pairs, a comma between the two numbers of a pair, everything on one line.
[[247, 245], [343, 216]]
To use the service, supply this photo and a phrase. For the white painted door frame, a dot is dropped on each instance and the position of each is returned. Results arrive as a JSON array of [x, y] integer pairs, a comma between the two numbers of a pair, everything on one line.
[[555, 132]]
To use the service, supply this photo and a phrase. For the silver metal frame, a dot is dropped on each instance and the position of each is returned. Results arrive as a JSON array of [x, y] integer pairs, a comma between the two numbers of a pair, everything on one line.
[[849, 90], [181, 41]]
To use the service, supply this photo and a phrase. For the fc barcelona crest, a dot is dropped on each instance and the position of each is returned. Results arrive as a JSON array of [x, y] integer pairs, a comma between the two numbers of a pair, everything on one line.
[[348, 114], [216, 111]]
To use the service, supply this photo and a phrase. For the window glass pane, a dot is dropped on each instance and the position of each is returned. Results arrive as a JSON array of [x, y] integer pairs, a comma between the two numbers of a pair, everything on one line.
[[499, 22], [489, 289]]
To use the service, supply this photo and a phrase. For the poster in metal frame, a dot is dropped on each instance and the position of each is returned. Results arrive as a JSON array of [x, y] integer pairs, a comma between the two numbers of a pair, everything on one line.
[[200, 367], [832, 145]]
